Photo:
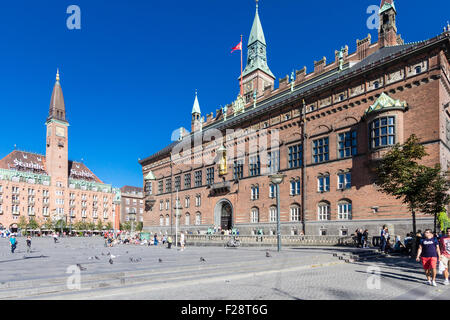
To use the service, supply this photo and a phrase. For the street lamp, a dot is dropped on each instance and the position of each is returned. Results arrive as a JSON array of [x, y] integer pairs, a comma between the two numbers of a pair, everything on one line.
[[277, 179]]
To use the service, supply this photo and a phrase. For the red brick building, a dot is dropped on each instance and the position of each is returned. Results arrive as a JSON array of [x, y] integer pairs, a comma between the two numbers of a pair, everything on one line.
[[51, 187], [323, 130]]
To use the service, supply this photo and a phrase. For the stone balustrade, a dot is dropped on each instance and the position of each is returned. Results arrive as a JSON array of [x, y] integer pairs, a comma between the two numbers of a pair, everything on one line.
[[255, 240]]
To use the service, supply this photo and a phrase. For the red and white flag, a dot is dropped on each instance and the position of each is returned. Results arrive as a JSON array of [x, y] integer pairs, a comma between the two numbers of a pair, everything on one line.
[[238, 47]]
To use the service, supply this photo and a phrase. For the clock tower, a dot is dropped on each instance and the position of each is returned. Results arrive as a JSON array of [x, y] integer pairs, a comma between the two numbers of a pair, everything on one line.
[[257, 75], [57, 138]]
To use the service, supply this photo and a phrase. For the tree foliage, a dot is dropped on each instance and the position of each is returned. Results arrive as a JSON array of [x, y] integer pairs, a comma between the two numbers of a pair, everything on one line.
[[419, 187]]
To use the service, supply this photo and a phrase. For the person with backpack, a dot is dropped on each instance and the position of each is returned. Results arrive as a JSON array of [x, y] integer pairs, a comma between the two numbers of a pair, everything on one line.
[[28, 244]]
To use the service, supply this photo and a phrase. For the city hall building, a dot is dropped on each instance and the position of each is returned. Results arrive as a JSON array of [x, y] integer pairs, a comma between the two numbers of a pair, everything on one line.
[[326, 131], [50, 187]]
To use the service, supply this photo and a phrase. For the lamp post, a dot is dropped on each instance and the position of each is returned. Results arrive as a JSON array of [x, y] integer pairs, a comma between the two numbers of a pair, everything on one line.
[[277, 179]]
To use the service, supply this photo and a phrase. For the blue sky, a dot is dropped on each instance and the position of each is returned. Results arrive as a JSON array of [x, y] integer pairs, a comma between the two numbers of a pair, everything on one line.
[[129, 75]]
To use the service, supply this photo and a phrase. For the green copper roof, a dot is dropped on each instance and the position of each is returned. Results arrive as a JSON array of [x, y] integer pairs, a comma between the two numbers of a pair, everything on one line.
[[257, 33], [386, 102], [387, 6], [196, 107]]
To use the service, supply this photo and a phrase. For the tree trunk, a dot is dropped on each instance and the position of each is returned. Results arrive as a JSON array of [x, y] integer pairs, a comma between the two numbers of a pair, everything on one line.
[[414, 221], [435, 222]]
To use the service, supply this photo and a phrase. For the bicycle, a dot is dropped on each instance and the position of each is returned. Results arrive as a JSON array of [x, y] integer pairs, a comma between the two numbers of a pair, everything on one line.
[[233, 243]]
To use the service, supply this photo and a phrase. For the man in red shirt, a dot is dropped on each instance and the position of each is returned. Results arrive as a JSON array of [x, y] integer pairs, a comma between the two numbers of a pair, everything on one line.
[[445, 254]]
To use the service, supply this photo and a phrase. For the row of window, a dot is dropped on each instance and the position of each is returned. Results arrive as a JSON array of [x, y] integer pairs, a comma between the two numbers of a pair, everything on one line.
[[187, 203], [165, 221]]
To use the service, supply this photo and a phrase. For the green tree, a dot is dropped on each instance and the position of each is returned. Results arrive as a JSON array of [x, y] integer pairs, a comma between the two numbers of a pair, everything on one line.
[[22, 224], [49, 225], [436, 196], [139, 226], [126, 226], [99, 225], [400, 175], [90, 226], [109, 226], [33, 224]]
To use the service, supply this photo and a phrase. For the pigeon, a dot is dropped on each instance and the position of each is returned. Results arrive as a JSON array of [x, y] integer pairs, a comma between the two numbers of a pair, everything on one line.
[[112, 256], [103, 254], [159, 260], [97, 258], [111, 261], [80, 267], [202, 259], [268, 254], [91, 258]]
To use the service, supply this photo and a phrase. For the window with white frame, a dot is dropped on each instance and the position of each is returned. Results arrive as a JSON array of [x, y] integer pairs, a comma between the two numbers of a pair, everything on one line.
[[198, 200], [187, 219], [295, 212], [347, 144], [382, 132], [274, 161], [272, 191], [321, 152], [323, 183], [323, 211], [295, 187], [161, 221], [167, 220], [187, 202], [344, 210], [273, 214], [161, 205], [167, 204], [344, 180], [255, 215], [198, 219], [255, 192]]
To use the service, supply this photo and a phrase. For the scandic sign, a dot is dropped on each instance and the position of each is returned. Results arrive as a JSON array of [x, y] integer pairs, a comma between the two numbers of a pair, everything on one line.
[[31, 165]]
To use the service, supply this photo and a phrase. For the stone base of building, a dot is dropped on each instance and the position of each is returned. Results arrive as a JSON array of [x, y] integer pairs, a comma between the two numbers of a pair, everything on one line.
[[314, 228]]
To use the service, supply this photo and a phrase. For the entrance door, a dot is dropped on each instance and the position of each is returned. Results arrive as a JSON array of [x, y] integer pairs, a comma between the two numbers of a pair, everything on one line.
[[226, 221]]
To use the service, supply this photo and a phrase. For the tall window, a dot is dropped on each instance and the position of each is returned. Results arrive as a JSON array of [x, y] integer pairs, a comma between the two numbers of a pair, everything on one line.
[[344, 180], [273, 214], [168, 185], [295, 187], [323, 183], [274, 161], [255, 192], [272, 191], [148, 187], [160, 186], [187, 202], [321, 152], [161, 220], [323, 210], [347, 145], [210, 176], [167, 204], [161, 205], [167, 220], [198, 178], [295, 156], [382, 132], [344, 210], [198, 219], [255, 166], [238, 169], [255, 215], [295, 213], [187, 181], [187, 219], [178, 183], [198, 200]]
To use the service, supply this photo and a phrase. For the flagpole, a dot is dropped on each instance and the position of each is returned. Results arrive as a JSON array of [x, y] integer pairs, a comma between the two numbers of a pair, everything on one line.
[[242, 91]]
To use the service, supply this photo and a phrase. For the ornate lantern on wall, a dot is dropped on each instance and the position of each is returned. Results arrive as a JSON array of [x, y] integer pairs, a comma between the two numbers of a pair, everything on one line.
[[222, 153]]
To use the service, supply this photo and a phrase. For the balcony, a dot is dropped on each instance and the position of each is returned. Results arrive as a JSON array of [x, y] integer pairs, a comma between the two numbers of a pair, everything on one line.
[[16, 213], [15, 201]]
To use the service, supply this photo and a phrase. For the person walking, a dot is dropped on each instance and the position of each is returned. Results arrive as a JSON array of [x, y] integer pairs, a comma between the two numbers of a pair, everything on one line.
[[445, 254], [55, 237], [429, 253], [384, 236], [169, 242], [13, 242], [365, 238], [28, 244], [182, 241]]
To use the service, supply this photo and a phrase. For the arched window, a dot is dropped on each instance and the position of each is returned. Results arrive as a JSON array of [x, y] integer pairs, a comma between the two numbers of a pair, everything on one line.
[[273, 214], [376, 84], [345, 210], [161, 220], [323, 210], [198, 219], [167, 220], [295, 212], [187, 219], [295, 186], [254, 215], [418, 69]]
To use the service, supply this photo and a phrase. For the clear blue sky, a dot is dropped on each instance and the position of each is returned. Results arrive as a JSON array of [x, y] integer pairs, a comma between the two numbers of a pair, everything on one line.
[[129, 75]]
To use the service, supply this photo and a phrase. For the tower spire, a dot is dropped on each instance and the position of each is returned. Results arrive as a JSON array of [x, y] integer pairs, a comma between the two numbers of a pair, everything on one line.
[[57, 106]]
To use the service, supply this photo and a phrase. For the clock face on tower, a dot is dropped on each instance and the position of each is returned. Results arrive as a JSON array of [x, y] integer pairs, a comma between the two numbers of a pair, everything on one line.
[[60, 132]]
